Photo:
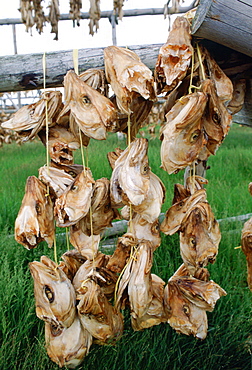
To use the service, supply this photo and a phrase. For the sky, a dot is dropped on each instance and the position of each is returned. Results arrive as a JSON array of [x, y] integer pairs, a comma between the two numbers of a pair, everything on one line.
[[130, 31]]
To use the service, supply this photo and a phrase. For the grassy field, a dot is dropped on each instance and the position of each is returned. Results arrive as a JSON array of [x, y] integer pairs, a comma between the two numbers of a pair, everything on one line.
[[229, 341]]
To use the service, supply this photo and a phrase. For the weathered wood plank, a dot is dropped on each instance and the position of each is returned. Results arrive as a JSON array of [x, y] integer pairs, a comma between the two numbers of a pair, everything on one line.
[[226, 22], [25, 72]]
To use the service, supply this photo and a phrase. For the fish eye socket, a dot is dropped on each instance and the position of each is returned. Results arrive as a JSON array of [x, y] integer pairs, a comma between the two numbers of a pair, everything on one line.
[[100, 318], [192, 242], [186, 310], [155, 229], [38, 208], [86, 100], [49, 294], [195, 135], [145, 169], [216, 118], [74, 188]]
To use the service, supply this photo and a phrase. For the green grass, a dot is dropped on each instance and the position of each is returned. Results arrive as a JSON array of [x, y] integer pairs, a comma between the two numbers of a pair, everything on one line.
[[229, 341]]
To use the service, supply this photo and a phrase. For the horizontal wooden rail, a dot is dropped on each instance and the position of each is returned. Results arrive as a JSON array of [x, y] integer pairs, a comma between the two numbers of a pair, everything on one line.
[[24, 71]]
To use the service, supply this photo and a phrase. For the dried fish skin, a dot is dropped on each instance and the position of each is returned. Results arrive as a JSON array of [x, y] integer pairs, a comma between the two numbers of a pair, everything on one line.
[[93, 112], [139, 286], [97, 315], [216, 119], [174, 56], [130, 178], [175, 215], [122, 252], [95, 77], [156, 312], [185, 317], [246, 245], [150, 208], [222, 82], [182, 135], [70, 346], [101, 212], [90, 269], [86, 245], [144, 230], [199, 237], [127, 75], [54, 293], [237, 101], [58, 180], [30, 119], [71, 262], [75, 201], [35, 220], [61, 144], [113, 156], [134, 175]]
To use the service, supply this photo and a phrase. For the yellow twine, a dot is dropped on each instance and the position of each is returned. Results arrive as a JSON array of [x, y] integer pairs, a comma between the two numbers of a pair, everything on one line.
[[67, 239], [132, 257], [47, 144], [191, 76], [75, 61], [200, 62]]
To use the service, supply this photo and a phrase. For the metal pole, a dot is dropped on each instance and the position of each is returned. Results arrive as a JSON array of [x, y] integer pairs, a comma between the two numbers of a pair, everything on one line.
[[113, 24]]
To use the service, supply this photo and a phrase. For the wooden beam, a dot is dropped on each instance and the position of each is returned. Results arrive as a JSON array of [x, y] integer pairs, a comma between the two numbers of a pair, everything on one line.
[[108, 14], [226, 22], [24, 72]]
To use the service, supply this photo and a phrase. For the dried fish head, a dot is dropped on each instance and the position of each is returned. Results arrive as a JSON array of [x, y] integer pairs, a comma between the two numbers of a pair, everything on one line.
[[97, 315], [176, 213], [139, 286], [102, 213], [127, 76], [246, 244], [30, 119], [185, 317], [54, 294], [75, 201], [69, 346], [87, 245], [150, 208], [58, 180], [93, 112], [237, 101], [71, 262], [95, 78], [61, 143], [223, 84], [144, 230], [174, 56], [216, 119], [90, 269], [134, 174], [35, 221], [183, 136], [122, 252], [130, 178], [156, 312], [199, 237]]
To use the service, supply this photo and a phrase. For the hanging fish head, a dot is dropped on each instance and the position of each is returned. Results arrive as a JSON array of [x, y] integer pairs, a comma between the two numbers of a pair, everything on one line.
[[34, 222], [93, 112], [185, 317], [182, 136], [75, 201], [54, 294], [134, 176]]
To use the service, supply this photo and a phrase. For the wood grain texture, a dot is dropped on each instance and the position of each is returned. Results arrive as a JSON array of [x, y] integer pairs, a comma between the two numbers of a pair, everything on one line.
[[228, 23], [25, 72]]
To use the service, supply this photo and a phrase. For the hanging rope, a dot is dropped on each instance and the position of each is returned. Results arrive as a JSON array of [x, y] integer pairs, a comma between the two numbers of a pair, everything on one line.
[[47, 145]]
